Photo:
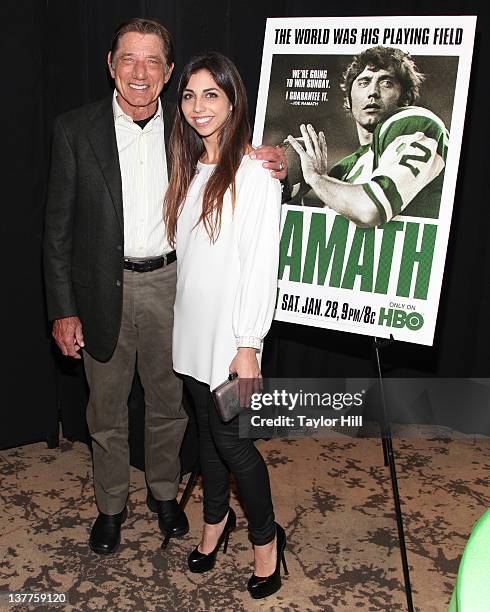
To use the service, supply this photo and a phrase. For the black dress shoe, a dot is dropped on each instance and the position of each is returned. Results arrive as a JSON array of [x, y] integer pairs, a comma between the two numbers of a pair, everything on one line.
[[260, 587], [106, 532], [199, 562], [171, 518]]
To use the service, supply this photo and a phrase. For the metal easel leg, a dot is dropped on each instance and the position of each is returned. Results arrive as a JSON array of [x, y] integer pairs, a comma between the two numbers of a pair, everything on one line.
[[389, 459]]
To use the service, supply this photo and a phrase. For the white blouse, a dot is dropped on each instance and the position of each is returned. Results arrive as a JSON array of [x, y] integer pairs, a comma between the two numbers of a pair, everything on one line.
[[226, 291]]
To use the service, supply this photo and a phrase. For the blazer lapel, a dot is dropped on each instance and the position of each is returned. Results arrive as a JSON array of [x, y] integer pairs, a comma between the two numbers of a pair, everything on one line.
[[102, 137], [168, 123]]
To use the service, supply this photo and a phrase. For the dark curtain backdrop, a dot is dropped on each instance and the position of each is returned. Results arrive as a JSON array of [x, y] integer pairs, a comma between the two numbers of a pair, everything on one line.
[[54, 60]]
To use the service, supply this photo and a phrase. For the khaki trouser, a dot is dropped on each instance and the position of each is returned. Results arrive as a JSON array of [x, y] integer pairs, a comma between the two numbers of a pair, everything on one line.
[[145, 339]]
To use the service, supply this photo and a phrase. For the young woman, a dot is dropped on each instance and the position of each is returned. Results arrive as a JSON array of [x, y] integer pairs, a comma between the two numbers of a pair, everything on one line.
[[222, 211]]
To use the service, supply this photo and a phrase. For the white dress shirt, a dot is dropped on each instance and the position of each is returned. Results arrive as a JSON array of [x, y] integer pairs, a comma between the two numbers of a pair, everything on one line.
[[226, 291], [144, 181]]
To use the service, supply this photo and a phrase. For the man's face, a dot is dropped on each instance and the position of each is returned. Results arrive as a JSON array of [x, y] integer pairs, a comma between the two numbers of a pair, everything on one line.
[[139, 69], [374, 96]]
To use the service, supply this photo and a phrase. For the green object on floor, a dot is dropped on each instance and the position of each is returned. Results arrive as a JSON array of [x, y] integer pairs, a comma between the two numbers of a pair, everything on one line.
[[472, 590]]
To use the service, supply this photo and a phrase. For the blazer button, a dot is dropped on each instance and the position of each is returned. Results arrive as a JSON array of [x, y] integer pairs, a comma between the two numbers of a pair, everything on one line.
[[119, 247], [118, 283]]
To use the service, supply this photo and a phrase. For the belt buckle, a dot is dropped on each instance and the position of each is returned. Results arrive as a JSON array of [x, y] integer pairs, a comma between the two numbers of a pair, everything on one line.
[[165, 259]]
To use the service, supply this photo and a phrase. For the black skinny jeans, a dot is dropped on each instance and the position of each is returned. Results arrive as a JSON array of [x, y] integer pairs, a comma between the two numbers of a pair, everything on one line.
[[222, 451]]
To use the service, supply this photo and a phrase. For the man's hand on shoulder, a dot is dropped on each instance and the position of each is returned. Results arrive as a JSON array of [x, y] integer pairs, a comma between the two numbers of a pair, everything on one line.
[[68, 335], [274, 160]]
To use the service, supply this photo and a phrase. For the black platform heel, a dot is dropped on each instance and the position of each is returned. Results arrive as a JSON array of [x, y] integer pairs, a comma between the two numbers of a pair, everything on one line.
[[260, 587], [199, 562]]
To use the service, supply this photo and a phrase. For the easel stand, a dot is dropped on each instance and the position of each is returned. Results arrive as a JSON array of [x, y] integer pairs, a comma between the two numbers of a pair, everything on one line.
[[389, 460]]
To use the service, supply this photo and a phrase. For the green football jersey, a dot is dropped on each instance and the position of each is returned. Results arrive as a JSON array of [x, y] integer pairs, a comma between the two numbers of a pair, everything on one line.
[[402, 170]]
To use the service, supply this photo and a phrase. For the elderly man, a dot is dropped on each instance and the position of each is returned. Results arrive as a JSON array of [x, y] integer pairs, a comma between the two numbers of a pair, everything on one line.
[[110, 272]]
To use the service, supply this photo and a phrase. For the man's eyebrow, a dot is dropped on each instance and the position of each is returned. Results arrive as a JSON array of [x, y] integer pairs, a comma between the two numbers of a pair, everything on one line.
[[131, 54]]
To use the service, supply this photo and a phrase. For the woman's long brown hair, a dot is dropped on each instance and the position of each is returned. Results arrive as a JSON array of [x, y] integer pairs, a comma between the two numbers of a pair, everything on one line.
[[186, 147]]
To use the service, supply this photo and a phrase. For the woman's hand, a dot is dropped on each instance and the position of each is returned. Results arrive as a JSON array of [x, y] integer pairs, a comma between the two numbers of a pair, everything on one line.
[[246, 366], [245, 363]]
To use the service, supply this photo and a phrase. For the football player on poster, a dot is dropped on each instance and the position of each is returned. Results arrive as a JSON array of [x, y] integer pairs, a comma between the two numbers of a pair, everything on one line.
[[399, 165]]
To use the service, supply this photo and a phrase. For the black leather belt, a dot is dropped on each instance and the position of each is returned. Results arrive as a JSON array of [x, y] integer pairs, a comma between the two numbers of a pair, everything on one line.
[[148, 265]]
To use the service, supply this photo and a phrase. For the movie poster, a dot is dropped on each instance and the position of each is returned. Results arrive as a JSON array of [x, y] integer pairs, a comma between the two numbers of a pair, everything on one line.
[[376, 109]]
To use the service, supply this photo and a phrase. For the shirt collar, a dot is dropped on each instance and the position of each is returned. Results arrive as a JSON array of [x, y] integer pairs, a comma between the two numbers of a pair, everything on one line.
[[119, 113]]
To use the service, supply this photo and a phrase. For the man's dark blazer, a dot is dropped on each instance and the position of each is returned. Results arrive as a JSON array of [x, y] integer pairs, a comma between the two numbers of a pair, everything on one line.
[[84, 236]]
